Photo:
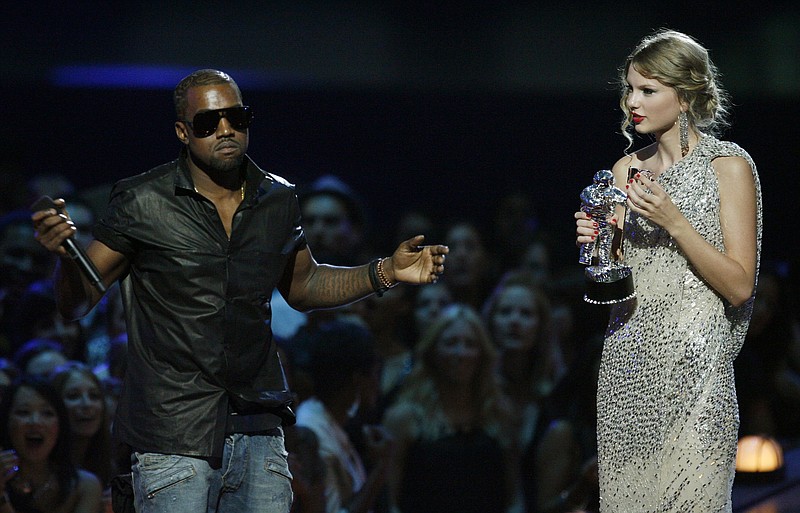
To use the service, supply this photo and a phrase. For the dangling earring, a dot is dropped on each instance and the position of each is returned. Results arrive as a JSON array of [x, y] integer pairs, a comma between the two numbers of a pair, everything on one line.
[[683, 127]]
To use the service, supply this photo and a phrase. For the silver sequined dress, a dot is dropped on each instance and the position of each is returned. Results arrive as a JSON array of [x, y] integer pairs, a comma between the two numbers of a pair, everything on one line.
[[667, 410]]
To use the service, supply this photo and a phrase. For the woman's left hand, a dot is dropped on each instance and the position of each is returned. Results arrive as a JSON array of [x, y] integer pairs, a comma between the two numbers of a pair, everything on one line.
[[648, 199]]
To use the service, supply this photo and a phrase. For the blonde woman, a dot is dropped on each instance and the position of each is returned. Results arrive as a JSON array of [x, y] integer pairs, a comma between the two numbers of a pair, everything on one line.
[[667, 410], [451, 424]]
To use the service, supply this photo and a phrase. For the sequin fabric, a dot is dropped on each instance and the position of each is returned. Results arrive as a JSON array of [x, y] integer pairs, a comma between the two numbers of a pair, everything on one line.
[[667, 410]]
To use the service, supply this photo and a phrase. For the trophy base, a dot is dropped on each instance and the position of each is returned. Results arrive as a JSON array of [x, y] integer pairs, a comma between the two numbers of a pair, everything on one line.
[[609, 293]]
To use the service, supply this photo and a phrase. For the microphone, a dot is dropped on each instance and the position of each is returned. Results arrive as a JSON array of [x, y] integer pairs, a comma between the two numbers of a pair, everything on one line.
[[74, 250]]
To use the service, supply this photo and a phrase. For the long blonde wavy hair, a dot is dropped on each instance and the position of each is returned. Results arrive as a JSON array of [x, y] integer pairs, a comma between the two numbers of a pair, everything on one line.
[[680, 62], [419, 397]]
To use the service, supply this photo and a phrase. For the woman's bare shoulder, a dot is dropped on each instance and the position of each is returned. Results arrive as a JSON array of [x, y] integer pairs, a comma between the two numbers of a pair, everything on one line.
[[86, 497]]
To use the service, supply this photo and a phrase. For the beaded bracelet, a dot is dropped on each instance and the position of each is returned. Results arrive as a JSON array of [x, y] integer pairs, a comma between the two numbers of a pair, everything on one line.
[[373, 277], [377, 277], [382, 275]]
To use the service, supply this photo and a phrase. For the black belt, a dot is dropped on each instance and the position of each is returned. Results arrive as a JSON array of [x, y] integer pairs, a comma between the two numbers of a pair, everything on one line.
[[256, 424]]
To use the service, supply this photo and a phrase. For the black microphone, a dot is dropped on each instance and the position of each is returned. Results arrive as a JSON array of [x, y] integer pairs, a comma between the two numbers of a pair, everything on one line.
[[74, 250]]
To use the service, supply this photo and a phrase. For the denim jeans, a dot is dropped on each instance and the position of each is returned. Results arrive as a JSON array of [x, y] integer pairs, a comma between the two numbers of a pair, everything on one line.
[[254, 477]]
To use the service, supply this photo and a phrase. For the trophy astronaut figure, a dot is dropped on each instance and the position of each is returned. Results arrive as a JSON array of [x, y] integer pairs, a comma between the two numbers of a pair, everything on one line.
[[608, 281]]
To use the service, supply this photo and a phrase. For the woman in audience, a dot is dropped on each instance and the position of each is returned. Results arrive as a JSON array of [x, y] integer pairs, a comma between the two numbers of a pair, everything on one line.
[[83, 397], [36, 471], [451, 424], [429, 301], [517, 315]]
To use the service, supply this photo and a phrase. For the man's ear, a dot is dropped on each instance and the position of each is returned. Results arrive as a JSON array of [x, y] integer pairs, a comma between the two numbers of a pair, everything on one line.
[[182, 132]]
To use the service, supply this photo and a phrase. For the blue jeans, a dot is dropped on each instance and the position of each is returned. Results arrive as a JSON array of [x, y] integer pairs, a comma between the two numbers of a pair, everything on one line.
[[254, 477]]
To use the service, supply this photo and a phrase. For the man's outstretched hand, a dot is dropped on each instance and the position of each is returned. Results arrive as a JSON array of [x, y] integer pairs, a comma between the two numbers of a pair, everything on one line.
[[414, 263]]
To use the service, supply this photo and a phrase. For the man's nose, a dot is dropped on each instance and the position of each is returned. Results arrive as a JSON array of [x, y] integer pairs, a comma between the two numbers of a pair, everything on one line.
[[224, 127]]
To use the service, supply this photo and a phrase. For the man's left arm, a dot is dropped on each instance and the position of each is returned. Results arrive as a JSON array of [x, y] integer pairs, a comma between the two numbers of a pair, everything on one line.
[[308, 285]]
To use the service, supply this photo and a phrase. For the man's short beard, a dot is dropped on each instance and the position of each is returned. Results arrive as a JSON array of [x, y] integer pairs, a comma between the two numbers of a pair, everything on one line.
[[216, 166], [225, 165]]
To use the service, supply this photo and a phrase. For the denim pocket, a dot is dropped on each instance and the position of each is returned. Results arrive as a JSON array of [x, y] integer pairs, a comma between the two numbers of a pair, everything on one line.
[[159, 472], [277, 459]]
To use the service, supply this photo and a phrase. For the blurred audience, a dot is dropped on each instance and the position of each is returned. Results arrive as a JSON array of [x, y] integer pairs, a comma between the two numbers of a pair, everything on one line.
[[334, 221], [514, 225], [39, 357], [471, 269], [767, 369], [8, 372], [429, 301], [35, 316], [517, 315], [481, 408], [22, 262], [35, 441], [389, 319], [86, 406], [344, 367], [559, 468], [451, 424]]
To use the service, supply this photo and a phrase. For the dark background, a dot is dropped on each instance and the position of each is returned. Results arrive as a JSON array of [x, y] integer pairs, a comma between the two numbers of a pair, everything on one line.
[[441, 106]]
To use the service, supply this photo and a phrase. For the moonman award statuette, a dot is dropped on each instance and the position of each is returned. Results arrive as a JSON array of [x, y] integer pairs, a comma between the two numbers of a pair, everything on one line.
[[607, 280]]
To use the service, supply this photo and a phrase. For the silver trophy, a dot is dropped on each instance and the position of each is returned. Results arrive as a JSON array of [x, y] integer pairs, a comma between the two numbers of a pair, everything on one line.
[[607, 280]]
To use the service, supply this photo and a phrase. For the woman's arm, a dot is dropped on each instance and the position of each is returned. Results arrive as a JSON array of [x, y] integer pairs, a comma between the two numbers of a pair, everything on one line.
[[731, 273]]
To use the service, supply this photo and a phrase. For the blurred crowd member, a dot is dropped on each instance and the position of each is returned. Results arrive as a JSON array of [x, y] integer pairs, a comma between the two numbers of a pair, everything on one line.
[[412, 221], [35, 316], [307, 468], [517, 315], [8, 372], [429, 302], [535, 260], [53, 184], [388, 319], [111, 372], [344, 372], [451, 424], [515, 224], [334, 222], [105, 324], [559, 469], [22, 262], [35, 452], [768, 368], [84, 400], [470, 266], [39, 357]]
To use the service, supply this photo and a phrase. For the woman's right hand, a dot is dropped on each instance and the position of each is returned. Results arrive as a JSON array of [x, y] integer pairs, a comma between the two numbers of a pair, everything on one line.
[[586, 228], [9, 466]]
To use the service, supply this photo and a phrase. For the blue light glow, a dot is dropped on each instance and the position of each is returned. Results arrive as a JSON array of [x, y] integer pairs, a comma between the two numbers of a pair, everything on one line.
[[160, 77]]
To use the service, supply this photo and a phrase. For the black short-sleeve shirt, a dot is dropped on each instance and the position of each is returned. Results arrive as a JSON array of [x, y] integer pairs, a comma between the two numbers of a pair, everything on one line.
[[197, 304]]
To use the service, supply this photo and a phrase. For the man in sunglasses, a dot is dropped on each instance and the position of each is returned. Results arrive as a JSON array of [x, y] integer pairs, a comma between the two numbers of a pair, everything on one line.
[[198, 245]]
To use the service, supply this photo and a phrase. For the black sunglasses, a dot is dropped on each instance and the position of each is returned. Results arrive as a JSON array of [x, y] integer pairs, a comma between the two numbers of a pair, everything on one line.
[[205, 123]]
